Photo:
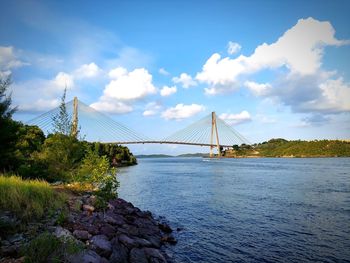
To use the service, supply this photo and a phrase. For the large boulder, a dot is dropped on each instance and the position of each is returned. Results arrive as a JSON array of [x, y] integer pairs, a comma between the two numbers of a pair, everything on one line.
[[101, 245]]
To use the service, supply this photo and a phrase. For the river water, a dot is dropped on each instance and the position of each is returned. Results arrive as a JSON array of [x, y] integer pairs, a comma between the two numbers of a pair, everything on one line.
[[247, 210]]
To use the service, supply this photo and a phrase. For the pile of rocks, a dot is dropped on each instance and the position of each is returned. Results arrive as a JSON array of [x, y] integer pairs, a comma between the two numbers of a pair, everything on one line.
[[121, 233]]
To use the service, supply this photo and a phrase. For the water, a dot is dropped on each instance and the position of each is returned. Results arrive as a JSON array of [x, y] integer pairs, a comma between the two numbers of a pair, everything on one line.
[[248, 210]]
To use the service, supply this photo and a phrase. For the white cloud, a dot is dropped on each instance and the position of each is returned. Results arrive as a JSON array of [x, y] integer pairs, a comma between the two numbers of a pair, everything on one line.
[[87, 71], [335, 97], [41, 94], [132, 85], [233, 47], [185, 80], [258, 89], [117, 73], [167, 91], [63, 80], [299, 49], [9, 60], [238, 118], [181, 111], [151, 109], [112, 106], [163, 72]]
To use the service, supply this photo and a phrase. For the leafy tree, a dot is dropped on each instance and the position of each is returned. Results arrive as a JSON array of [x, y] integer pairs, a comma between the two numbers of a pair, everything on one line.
[[8, 127], [61, 121], [62, 154], [96, 171]]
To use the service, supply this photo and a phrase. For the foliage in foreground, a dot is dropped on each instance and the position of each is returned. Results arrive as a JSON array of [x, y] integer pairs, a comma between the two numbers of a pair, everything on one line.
[[48, 248], [28, 199]]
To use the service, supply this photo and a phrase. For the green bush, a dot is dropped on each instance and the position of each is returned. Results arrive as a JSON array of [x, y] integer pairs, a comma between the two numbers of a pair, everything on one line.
[[96, 171]]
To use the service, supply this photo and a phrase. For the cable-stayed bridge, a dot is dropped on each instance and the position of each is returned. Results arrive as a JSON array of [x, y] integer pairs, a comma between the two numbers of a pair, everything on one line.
[[95, 126]]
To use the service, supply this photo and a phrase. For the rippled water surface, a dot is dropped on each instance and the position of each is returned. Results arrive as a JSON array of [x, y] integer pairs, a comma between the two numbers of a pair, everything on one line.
[[248, 210]]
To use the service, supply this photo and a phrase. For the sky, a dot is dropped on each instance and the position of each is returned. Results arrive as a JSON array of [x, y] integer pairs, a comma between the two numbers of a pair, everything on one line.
[[271, 69]]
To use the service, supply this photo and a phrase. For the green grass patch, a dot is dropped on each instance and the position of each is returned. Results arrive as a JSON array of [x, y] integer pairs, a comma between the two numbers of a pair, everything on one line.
[[28, 199]]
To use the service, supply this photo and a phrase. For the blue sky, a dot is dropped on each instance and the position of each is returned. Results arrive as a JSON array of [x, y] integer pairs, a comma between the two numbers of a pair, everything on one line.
[[270, 69]]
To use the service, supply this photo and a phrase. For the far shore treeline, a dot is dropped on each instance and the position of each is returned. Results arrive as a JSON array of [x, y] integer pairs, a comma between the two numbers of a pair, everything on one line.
[[296, 148]]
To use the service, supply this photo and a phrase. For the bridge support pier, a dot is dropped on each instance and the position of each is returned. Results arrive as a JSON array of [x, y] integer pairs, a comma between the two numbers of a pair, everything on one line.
[[214, 128]]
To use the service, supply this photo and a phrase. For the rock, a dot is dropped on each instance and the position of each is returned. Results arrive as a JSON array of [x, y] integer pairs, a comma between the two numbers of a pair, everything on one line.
[[61, 232], [137, 255], [143, 242], [108, 231], [169, 239], [119, 254], [179, 229], [154, 240], [131, 230], [15, 238], [85, 256], [165, 228], [154, 255], [101, 245], [88, 208], [81, 234], [127, 241]]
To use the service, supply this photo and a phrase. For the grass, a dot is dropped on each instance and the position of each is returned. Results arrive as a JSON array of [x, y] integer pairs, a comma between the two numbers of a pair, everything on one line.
[[48, 248], [28, 199]]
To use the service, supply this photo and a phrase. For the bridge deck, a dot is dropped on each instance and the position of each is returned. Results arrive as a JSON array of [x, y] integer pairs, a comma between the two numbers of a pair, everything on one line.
[[170, 142]]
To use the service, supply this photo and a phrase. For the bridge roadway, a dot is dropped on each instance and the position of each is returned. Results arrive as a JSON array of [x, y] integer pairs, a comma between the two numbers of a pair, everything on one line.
[[170, 142]]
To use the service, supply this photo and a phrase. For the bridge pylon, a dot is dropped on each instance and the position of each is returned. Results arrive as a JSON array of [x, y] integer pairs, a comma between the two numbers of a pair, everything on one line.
[[214, 129], [74, 128]]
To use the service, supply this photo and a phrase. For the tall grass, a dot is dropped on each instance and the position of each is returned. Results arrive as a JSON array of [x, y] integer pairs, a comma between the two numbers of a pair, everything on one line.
[[28, 198]]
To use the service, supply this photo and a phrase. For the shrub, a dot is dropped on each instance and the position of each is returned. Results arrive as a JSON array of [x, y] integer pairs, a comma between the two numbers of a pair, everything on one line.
[[96, 172]]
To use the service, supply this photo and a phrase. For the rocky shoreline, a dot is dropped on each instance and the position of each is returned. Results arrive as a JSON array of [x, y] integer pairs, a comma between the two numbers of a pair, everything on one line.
[[119, 233]]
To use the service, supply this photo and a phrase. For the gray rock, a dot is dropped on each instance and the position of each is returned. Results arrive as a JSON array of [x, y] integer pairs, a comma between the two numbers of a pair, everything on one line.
[[61, 232], [137, 255], [127, 241], [81, 234], [119, 254], [154, 240], [154, 255], [108, 231], [15, 238], [85, 256], [101, 245]]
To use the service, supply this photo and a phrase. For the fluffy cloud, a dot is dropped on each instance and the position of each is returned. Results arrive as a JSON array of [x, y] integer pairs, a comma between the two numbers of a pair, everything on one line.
[[26, 94], [87, 71], [127, 86], [181, 111], [300, 49], [185, 80], [258, 89], [62, 80], [233, 47], [238, 118], [167, 91], [9, 60], [151, 109], [297, 57], [163, 72], [112, 106]]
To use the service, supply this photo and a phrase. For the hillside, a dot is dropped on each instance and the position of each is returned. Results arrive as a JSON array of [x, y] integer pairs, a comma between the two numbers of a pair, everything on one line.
[[298, 148]]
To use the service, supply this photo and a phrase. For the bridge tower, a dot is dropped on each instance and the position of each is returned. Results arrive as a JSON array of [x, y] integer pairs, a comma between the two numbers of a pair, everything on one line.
[[214, 129], [74, 129]]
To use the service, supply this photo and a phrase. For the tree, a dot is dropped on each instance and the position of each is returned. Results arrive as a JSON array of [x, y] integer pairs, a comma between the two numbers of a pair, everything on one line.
[[61, 122], [8, 127]]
